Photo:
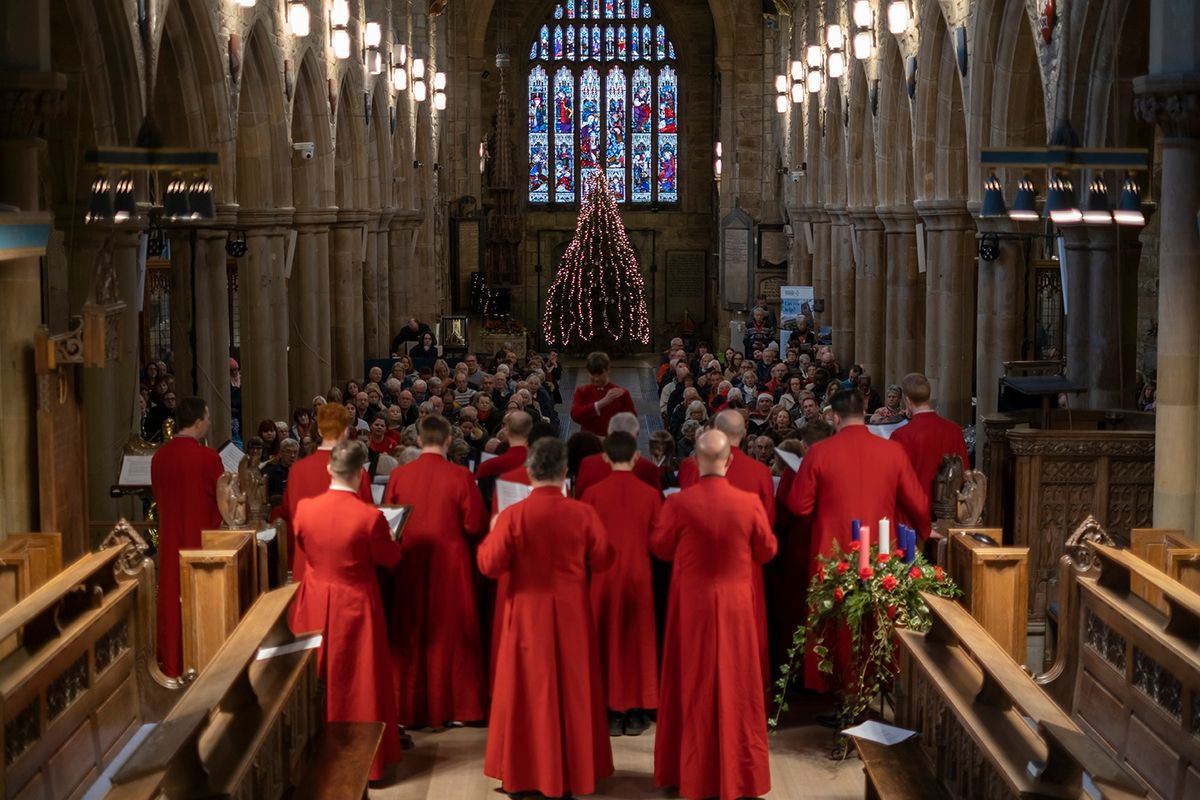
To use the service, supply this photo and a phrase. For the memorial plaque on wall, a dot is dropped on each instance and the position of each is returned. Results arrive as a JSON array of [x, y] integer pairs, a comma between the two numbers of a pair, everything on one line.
[[465, 258], [737, 256], [686, 281], [774, 249]]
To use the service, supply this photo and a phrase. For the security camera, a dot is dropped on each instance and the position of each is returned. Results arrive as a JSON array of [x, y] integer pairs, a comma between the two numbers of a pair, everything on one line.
[[306, 150]]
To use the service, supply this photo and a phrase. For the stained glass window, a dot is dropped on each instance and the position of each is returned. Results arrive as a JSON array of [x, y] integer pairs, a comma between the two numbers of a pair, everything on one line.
[[596, 104]]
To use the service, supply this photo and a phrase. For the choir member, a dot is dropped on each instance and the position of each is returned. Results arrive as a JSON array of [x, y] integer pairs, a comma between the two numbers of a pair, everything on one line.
[[436, 649], [851, 475], [547, 731], [595, 403], [622, 595], [183, 479], [928, 436], [309, 477], [711, 739], [749, 475], [343, 540], [517, 425], [595, 468]]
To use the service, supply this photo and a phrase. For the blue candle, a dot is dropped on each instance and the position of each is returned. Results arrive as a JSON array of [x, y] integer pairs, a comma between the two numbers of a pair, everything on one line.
[[910, 545], [855, 525]]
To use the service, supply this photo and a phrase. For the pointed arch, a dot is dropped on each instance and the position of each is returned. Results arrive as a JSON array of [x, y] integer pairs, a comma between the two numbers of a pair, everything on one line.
[[312, 180], [940, 161], [833, 133], [379, 154], [262, 178], [894, 165], [861, 143], [350, 174]]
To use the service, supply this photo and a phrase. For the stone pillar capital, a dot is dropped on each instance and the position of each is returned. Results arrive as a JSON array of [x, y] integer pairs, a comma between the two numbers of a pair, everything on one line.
[[268, 218], [312, 220], [1170, 101], [897, 219], [28, 99], [944, 215], [865, 218], [350, 218], [838, 215]]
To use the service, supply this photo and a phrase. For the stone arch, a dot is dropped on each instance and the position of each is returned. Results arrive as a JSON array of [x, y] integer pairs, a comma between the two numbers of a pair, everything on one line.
[[860, 150], [379, 152], [312, 180], [833, 132], [1112, 49], [262, 179], [350, 183], [940, 157], [894, 138], [403, 154]]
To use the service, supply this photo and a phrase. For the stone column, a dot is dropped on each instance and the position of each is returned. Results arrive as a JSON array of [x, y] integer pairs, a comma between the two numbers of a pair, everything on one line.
[[308, 305], [370, 288], [263, 315], [1078, 294], [1110, 383], [1170, 97], [27, 99], [904, 351], [842, 279], [183, 326], [1001, 291], [949, 305], [800, 261], [383, 282], [821, 267], [870, 292], [212, 342], [402, 283], [346, 289]]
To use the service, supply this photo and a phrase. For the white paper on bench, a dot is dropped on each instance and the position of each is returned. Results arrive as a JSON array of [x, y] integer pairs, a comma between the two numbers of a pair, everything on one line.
[[874, 731], [303, 643], [103, 784], [265, 535]]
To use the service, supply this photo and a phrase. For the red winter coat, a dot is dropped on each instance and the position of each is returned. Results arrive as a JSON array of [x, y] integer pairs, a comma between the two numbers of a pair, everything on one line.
[[343, 539], [436, 649], [712, 733], [309, 477], [548, 730], [623, 595], [583, 407], [594, 469], [927, 438], [183, 478]]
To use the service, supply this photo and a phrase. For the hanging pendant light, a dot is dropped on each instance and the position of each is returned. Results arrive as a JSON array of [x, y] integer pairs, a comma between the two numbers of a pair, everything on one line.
[[836, 39], [200, 197], [1097, 211], [1061, 207], [1024, 207], [175, 200], [100, 204], [864, 33], [993, 198], [399, 69], [1129, 204], [339, 33], [124, 203]]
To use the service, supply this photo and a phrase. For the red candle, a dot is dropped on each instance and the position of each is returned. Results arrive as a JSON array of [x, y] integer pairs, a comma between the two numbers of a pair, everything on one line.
[[864, 547]]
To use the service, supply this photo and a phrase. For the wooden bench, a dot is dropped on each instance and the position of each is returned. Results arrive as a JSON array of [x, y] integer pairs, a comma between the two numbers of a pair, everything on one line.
[[27, 561], [82, 676], [1127, 672], [986, 729], [1171, 552], [342, 759], [244, 729], [995, 584], [897, 772]]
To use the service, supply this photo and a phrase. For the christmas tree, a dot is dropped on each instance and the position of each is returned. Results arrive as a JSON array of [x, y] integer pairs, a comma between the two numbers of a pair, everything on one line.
[[597, 297]]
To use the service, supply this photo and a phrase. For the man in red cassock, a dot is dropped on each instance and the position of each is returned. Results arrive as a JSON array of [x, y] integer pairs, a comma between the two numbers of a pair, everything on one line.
[[517, 425], [711, 739], [595, 468], [183, 479], [547, 731], [595, 403], [436, 649], [928, 436], [623, 595], [343, 540], [851, 475], [310, 476], [752, 476]]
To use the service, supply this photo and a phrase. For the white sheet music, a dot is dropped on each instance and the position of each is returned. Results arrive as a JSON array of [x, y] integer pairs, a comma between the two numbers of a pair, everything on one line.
[[135, 471], [377, 493], [886, 431], [303, 643], [486, 457], [266, 535], [231, 456], [508, 493], [791, 459], [671, 491], [395, 517], [879, 732], [775, 480]]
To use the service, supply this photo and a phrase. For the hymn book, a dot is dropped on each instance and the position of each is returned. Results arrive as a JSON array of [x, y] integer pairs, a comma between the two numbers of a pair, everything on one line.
[[231, 456], [397, 518], [791, 459]]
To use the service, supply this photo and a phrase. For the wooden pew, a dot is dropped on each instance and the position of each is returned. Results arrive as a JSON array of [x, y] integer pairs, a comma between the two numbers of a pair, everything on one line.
[[1171, 552], [1127, 672], [245, 728], [995, 583], [27, 561], [83, 675], [986, 729]]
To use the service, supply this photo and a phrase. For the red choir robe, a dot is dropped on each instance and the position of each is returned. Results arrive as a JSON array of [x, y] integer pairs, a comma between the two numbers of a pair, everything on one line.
[[499, 587], [752, 476], [436, 649], [594, 469], [787, 575], [712, 735], [927, 438], [343, 540], [583, 407], [309, 477], [623, 595], [511, 458], [549, 726], [851, 475], [183, 479]]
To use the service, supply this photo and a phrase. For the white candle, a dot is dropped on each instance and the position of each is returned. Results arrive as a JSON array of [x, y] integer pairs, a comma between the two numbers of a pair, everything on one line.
[[885, 531]]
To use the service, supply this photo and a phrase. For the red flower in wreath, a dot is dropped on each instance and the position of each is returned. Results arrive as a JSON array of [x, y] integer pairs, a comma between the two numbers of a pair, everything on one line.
[[884, 558], [855, 546], [866, 573], [842, 567], [838, 594], [888, 582], [898, 553], [914, 573], [939, 573], [891, 612], [821, 575]]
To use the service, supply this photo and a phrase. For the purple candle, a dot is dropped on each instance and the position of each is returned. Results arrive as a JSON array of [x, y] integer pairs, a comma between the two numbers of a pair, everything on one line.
[[855, 527]]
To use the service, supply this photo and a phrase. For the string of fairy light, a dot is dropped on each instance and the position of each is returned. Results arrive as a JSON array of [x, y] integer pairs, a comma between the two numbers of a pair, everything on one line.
[[598, 292]]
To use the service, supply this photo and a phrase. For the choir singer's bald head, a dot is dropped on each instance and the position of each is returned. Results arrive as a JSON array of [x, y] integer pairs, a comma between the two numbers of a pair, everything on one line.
[[733, 425], [713, 452]]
